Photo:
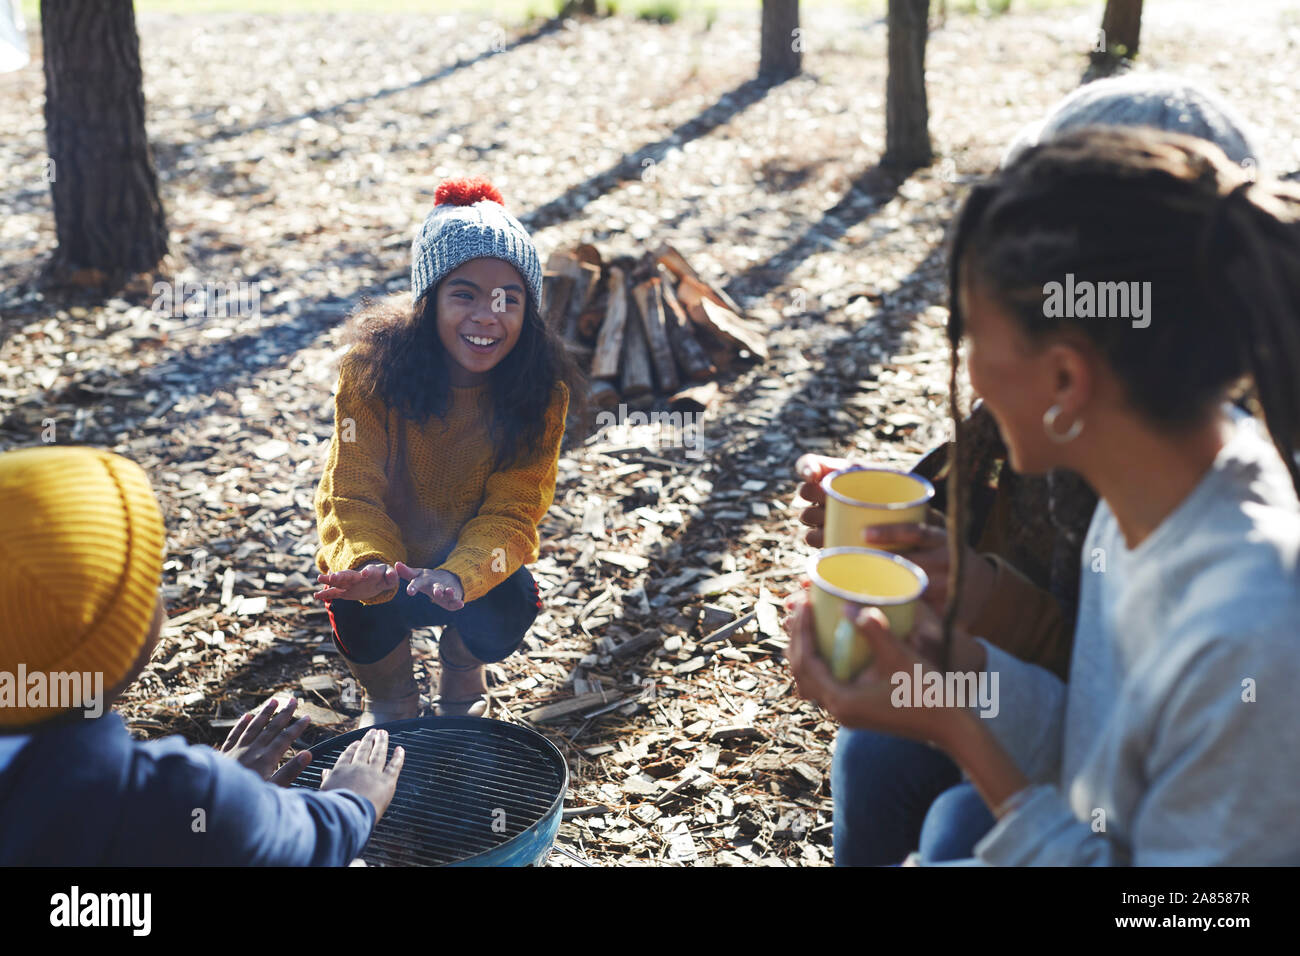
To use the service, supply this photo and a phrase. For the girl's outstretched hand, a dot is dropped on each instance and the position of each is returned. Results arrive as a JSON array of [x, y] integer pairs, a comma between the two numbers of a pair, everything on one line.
[[441, 587], [374, 578]]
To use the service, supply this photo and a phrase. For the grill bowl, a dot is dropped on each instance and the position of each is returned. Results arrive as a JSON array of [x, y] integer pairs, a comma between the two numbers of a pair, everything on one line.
[[473, 792]]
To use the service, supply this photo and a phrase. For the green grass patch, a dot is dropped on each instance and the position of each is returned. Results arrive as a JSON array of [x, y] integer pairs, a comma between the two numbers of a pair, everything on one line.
[[660, 11]]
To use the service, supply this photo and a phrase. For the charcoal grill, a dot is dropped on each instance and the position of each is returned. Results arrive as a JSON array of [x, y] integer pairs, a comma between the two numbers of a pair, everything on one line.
[[473, 792]]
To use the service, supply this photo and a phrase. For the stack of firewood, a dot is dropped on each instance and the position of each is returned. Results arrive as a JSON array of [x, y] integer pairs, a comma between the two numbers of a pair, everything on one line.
[[646, 327]]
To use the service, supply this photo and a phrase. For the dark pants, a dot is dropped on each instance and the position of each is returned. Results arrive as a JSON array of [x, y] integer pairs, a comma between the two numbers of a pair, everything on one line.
[[893, 796], [492, 627]]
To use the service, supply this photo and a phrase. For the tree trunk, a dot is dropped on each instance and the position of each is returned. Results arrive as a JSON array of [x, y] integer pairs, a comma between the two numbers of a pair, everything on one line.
[[107, 213], [1122, 24], [907, 114], [1117, 41], [781, 43]]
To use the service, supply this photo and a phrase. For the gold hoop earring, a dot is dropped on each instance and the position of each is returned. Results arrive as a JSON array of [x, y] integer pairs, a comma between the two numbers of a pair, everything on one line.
[[1049, 425]]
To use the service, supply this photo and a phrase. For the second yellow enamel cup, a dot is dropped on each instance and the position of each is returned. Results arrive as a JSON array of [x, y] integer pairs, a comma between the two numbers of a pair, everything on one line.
[[859, 497], [862, 577]]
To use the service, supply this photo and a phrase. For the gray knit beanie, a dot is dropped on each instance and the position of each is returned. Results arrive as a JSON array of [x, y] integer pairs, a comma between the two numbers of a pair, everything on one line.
[[1169, 103], [469, 221]]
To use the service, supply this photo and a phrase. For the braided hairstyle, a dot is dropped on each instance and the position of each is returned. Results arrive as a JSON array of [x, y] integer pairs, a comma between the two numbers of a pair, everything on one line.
[[1222, 254]]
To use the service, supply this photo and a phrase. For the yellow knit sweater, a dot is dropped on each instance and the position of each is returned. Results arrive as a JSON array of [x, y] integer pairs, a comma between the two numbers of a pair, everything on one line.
[[395, 490]]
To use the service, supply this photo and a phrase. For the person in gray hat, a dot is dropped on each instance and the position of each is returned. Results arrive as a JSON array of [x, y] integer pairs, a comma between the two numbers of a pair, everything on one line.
[[1157, 100], [449, 414]]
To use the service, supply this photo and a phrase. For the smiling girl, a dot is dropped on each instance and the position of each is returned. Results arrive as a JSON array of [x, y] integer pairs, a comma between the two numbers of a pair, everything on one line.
[[449, 414]]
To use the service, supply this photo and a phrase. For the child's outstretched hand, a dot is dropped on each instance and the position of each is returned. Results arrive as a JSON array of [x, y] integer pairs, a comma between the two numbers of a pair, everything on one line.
[[261, 738], [365, 769], [441, 587], [374, 578]]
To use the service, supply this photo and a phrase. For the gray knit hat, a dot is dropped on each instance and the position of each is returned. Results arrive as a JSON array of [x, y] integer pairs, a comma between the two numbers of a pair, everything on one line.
[[1166, 102], [469, 221]]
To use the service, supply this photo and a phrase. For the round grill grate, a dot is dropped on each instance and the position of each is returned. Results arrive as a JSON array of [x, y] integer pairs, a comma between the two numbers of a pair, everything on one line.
[[473, 791]]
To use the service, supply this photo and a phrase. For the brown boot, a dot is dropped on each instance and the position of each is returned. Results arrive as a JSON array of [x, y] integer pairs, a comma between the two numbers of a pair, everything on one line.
[[472, 699], [389, 684]]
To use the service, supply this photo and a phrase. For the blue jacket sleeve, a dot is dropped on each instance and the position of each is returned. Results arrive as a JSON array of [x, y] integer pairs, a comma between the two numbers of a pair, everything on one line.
[[192, 805]]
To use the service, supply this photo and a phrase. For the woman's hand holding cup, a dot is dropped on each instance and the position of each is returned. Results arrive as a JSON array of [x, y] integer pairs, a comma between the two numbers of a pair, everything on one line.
[[924, 544], [811, 469], [867, 701], [858, 702]]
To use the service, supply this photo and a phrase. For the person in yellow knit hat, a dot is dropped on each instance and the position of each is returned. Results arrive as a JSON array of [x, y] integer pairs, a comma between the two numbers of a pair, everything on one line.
[[82, 543], [449, 414]]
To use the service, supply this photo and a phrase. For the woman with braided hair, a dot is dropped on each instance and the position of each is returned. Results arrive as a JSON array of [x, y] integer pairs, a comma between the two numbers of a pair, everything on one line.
[[1162, 749], [894, 794]]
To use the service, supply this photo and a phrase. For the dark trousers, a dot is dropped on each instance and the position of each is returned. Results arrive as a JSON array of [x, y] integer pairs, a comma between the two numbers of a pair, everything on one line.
[[893, 796], [492, 627]]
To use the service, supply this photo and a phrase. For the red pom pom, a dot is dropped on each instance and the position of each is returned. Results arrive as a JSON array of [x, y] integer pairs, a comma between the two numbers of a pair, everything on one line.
[[466, 192]]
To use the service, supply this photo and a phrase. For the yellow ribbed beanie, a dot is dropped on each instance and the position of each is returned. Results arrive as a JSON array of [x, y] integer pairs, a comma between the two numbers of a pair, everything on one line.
[[81, 550]]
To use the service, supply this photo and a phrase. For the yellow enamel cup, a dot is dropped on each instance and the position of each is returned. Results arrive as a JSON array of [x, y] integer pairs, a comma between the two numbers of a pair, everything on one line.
[[858, 497], [862, 577]]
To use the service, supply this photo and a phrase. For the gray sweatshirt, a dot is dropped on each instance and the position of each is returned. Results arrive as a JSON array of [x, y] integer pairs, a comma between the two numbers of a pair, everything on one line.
[[1177, 740]]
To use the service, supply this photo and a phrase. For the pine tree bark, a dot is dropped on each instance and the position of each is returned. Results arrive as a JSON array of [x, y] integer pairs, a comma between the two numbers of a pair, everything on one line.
[[907, 112], [107, 213], [781, 46]]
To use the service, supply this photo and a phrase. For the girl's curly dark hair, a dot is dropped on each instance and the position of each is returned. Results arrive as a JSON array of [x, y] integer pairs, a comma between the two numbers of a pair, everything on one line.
[[403, 362]]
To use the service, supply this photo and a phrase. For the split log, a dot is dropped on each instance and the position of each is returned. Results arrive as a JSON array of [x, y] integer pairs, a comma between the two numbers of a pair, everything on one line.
[[609, 346], [721, 321], [676, 263], [690, 355], [697, 398], [589, 254], [585, 280], [589, 323], [561, 262], [556, 290], [585, 277], [649, 303], [635, 381], [556, 287]]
